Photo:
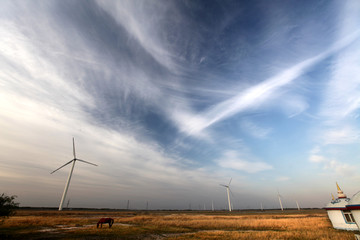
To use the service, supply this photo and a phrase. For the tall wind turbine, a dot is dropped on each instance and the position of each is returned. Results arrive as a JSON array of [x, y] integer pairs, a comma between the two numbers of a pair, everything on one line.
[[281, 206], [228, 193], [70, 174], [297, 204]]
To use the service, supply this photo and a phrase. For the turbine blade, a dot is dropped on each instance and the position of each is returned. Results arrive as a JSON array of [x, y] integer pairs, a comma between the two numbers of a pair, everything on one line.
[[86, 162], [223, 185], [74, 148], [230, 181], [62, 166]]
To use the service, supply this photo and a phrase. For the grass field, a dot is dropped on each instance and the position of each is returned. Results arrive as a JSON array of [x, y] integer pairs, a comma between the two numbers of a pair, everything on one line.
[[52, 224]]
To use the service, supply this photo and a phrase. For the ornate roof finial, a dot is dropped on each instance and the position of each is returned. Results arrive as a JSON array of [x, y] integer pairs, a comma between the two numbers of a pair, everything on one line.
[[340, 192]]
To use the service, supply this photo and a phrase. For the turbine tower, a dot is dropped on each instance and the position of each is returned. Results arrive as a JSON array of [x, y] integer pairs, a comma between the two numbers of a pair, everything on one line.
[[228, 193], [70, 174], [281, 206]]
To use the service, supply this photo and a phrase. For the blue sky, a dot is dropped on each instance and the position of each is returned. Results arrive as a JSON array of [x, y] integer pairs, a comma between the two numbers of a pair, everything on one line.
[[173, 98]]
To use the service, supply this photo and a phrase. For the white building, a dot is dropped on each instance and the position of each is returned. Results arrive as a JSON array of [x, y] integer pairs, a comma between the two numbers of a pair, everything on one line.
[[339, 215], [354, 207]]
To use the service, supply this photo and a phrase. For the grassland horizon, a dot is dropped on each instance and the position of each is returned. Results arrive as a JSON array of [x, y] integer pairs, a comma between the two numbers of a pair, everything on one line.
[[31, 223]]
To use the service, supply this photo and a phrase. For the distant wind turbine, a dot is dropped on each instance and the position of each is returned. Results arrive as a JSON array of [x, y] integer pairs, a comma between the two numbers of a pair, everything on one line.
[[228, 193], [281, 206], [297, 204], [70, 174]]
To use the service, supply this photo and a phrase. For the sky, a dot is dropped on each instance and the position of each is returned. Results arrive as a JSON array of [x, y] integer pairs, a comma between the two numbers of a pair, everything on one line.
[[173, 98]]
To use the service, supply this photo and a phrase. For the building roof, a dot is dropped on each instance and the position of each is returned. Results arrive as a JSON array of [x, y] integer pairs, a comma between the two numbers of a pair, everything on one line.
[[354, 203], [340, 202]]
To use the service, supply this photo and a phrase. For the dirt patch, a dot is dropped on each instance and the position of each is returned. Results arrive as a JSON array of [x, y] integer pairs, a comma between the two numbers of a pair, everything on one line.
[[58, 228]]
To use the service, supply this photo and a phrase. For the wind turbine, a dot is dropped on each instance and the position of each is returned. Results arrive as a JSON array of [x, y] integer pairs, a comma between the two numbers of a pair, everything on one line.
[[297, 204], [70, 174], [228, 193], [281, 206]]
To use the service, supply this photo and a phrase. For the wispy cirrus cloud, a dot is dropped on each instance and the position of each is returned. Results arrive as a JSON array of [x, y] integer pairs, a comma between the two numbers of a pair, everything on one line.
[[342, 95], [282, 179], [135, 18], [140, 22], [232, 160], [255, 96], [339, 110], [341, 135], [255, 130], [330, 164]]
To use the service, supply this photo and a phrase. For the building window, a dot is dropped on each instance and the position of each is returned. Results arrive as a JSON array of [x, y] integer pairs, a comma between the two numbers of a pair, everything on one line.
[[348, 217]]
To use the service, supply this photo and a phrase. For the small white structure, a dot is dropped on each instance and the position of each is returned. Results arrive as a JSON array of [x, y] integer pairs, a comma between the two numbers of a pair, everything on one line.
[[339, 215], [354, 207]]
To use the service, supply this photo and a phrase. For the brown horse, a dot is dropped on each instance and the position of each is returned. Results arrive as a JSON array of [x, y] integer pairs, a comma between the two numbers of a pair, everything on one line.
[[110, 221]]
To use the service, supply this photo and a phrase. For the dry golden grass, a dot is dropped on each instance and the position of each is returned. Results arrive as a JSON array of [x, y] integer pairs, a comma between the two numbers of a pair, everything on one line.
[[172, 225]]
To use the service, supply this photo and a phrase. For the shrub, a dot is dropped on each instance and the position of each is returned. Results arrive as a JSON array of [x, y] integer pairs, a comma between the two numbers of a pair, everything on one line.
[[7, 206]]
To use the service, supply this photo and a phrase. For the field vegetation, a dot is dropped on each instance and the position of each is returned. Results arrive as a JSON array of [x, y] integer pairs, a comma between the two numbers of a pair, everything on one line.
[[52, 224]]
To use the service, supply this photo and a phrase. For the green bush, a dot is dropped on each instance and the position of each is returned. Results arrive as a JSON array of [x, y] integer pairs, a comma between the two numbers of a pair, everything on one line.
[[7, 206]]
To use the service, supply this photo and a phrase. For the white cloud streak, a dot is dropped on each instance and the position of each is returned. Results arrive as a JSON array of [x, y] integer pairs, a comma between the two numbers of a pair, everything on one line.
[[135, 18], [257, 95], [330, 164], [339, 110], [137, 21], [282, 179], [255, 130], [341, 135], [231, 160]]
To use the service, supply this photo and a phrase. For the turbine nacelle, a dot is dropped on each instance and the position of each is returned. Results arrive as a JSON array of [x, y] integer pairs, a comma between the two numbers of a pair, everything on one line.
[[74, 159]]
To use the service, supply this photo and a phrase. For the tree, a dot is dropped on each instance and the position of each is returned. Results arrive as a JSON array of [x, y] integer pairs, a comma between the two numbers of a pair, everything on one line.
[[7, 206]]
